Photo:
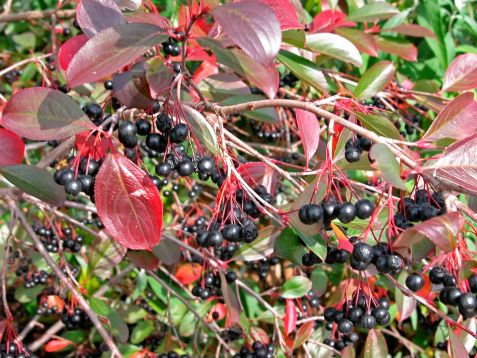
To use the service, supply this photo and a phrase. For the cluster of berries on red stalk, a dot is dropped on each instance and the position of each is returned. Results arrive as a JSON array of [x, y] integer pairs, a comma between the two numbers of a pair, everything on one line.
[[75, 318], [232, 334], [68, 240], [354, 148], [15, 350], [83, 182], [171, 48], [46, 310], [263, 266], [361, 311], [423, 207], [208, 287], [266, 131], [450, 293], [257, 350]]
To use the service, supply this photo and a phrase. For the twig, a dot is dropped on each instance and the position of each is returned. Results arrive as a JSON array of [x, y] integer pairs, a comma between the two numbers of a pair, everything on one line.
[[35, 15], [59, 151]]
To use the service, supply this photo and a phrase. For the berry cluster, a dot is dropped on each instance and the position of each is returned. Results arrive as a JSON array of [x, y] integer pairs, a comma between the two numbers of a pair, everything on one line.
[[75, 319], [45, 310], [355, 147], [258, 350], [171, 48], [36, 278], [346, 212], [266, 131], [262, 266], [383, 259], [232, 334], [15, 350], [288, 80], [210, 286], [84, 182], [423, 207], [361, 311], [172, 354]]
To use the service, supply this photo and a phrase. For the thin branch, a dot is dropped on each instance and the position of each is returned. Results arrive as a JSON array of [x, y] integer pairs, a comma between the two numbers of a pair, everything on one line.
[[36, 15]]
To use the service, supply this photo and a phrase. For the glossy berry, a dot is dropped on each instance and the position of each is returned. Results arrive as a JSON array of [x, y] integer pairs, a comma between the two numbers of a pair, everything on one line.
[[108, 85], [90, 167], [345, 326], [127, 134], [163, 169], [363, 252], [352, 155], [367, 321], [364, 144], [179, 133], [355, 314], [249, 232], [230, 276], [310, 214], [143, 127], [415, 282], [346, 212], [473, 283], [437, 274], [154, 141], [215, 238], [206, 165], [364, 208], [87, 184], [185, 168], [232, 233], [73, 187], [329, 313], [467, 301], [329, 210], [395, 263]]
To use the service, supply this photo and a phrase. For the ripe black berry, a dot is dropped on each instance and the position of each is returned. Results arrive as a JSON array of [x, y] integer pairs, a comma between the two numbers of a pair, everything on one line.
[[143, 127], [364, 144], [232, 233], [352, 155], [127, 134], [346, 212], [155, 142], [163, 169], [345, 326], [89, 167], [185, 168], [73, 187], [230, 276], [364, 208], [87, 184], [108, 85], [395, 263], [363, 252], [310, 214], [205, 165], [179, 133], [367, 321], [215, 238], [473, 283], [249, 232], [467, 302], [415, 282]]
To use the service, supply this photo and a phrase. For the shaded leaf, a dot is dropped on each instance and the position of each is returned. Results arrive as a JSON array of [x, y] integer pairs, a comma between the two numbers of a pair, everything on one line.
[[401, 48], [457, 165], [406, 305], [141, 331], [364, 42], [289, 321], [309, 132], [253, 26], [221, 86], [110, 50], [461, 74], [441, 231], [260, 248], [148, 18], [303, 334], [118, 327], [143, 259], [456, 120], [258, 173], [334, 46], [375, 79], [12, 148], [386, 162], [457, 348], [375, 346], [94, 16], [167, 251], [201, 130], [42, 113], [304, 69], [131, 88], [467, 340], [296, 287], [231, 302], [35, 181], [289, 246], [319, 281], [379, 125], [373, 12], [128, 203], [285, 13], [160, 79], [105, 254]]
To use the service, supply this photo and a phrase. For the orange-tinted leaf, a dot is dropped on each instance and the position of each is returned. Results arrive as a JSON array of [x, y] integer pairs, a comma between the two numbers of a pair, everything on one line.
[[188, 273], [57, 345], [289, 321]]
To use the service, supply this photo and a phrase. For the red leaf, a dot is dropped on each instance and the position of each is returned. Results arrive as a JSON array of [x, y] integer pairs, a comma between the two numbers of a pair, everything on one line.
[[94, 16], [42, 113], [143, 259], [57, 345], [188, 273], [131, 88], [289, 321], [110, 50], [441, 231], [309, 131], [69, 49], [255, 173], [231, 302], [461, 74], [456, 120], [128, 203], [253, 27], [412, 30], [160, 80], [458, 165], [221, 310], [328, 21], [363, 41], [285, 13], [89, 145], [206, 69], [147, 18], [12, 148], [303, 334], [403, 49]]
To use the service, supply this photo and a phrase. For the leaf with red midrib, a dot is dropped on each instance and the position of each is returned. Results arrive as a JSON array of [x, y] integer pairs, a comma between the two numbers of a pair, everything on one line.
[[289, 321], [309, 131], [128, 203], [69, 49], [11, 148], [461, 74], [285, 13]]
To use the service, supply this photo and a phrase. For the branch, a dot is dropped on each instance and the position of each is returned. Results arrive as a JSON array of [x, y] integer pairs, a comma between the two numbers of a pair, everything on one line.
[[59, 273], [35, 15]]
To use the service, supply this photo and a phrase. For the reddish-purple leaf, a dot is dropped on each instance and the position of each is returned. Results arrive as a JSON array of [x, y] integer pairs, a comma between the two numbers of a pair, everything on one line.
[[69, 49], [128, 203], [42, 113], [94, 16], [364, 42], [461, 74], [289, 321], [253, 26], [231, 302], [303, 334], [110, 50], [143, 259], [131, 88], [12, 148], [160, 79], [258, 173], [285, 13], [375, 346], [457, 348], [441, 231], [458, 165], [309, 132], [403, 49], [412, 30], [148, 18], [328, 21], [457, 120]]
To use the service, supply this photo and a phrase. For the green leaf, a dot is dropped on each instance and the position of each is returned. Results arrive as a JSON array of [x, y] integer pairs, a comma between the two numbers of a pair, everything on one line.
[[296, 287], [387, 164], [374, 80], [379, 125], [118, 327], [141, 331], [315, 243], [373, 12], [35, 181], [267, 115], [334, 46], [294, 37], [304, 69], [289, 246], [259, 248], [25, 295], [202, 130], [375, 346], [319, 281]]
